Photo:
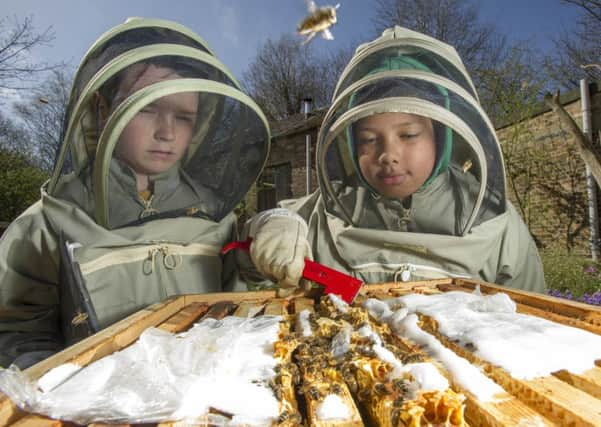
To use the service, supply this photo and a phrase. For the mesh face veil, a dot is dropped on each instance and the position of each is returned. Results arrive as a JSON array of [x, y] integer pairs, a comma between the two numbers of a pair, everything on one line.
[[401, 78], [152, 106], [444, 135]]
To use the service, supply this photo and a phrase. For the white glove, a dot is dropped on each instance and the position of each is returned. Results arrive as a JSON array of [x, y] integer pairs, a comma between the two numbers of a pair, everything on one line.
[[279, 246]]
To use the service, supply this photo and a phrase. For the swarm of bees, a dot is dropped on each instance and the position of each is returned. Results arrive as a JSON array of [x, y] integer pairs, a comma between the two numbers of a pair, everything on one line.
[[320, 19], [309, 371]]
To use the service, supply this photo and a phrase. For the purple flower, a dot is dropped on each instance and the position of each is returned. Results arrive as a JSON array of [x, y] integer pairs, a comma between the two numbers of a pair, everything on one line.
[[593, 299], [591, 269]]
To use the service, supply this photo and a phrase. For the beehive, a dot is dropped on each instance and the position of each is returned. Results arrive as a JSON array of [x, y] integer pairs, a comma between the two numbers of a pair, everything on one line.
[[562, 399]]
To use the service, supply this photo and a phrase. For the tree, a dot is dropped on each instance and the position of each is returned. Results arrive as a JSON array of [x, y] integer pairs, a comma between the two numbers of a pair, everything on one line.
[[284, 72], [18, 39], [20, 178], [13, 136], [20, 183], [511, 89], [331, 66], [578, 53], [43, 116], [483, 50], [454, 22]]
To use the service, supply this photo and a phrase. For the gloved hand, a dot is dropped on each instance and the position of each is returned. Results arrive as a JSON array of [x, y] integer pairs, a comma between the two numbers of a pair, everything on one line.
[[279, 246]]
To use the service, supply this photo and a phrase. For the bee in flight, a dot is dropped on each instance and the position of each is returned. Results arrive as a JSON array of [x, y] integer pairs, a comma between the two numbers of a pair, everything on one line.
[[320, 19]]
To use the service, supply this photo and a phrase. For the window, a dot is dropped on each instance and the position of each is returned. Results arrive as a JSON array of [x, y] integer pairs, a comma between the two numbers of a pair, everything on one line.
[[274, 185]]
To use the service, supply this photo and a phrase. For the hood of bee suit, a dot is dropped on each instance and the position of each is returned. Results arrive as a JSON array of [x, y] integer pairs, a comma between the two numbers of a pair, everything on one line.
[[403, 71], [160, 72]]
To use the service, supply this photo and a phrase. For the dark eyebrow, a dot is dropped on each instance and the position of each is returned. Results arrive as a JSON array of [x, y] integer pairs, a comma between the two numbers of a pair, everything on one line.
[[187, 112], [396, 125]]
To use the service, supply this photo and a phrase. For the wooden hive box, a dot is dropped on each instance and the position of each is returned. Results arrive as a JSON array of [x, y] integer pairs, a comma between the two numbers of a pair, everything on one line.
[[562, 399]]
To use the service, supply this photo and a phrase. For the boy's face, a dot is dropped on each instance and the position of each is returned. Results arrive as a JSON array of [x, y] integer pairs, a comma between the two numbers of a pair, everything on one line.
[[158, 135], [396, 152]]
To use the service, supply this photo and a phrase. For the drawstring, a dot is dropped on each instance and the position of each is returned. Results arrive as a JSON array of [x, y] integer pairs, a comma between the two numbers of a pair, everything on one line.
[[171, 260], [403, 221], [148, 209]]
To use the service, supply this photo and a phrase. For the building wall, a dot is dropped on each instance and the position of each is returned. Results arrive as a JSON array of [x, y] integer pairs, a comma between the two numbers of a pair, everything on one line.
[[546, 178], [291, 149]]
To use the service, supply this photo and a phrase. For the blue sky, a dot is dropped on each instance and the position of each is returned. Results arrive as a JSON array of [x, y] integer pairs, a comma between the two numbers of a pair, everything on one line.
[[236, 28]]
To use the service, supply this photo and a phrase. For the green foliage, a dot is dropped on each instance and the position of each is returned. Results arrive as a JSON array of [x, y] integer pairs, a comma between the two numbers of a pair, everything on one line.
[[566, 272], [19, 185], [244, 210]]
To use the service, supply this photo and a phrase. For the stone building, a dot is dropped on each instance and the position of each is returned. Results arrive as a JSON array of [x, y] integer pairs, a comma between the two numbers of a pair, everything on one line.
[[545, 174]]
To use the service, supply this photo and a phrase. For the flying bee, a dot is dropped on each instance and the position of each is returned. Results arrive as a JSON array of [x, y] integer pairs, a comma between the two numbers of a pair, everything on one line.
[[320, 19]]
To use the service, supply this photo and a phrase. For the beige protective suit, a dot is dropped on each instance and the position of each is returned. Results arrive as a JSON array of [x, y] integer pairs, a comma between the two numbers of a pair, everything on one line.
[[94, 249]]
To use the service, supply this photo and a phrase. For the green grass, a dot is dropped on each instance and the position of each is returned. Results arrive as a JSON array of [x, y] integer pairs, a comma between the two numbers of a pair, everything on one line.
[[576, 277]]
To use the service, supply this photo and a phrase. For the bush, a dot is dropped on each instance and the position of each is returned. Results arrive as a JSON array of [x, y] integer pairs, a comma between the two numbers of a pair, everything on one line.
[[19, 185], [572, 276]]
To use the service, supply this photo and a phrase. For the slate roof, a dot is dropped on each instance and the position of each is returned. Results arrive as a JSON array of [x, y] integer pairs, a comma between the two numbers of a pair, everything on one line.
[[297, 123]]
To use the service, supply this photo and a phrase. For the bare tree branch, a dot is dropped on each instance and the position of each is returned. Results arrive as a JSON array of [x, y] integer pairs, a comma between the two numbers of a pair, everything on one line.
[[284, 72], [585, 146], [577, 48], [453, 21], [18, 39], [593, 7], [481, 47], [44, 120]]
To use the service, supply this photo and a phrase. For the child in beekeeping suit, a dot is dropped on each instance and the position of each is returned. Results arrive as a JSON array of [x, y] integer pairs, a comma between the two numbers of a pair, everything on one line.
[[159, 146], [411, 180]]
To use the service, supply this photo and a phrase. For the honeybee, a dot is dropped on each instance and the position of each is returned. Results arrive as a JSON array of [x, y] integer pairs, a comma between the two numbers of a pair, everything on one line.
[[284, 416], [314, 393], [395, 416], [336, 388], [79, 318], [381, 389], [400, 385], [320, 19], [467, 165], [412, 358]]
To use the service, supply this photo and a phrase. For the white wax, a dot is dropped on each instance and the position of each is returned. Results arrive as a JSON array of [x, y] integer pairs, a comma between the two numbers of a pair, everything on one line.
[[304, 324], [340, 305], [333, 408], [525, 346], [223, 364]]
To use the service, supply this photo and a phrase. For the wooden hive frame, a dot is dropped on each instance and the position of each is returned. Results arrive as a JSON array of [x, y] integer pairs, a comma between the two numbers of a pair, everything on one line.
[[562, 399]]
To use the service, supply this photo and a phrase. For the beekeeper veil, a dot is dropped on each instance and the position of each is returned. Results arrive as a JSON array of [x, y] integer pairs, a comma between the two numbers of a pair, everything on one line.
[[408, 72], [150, 99]]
